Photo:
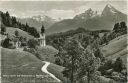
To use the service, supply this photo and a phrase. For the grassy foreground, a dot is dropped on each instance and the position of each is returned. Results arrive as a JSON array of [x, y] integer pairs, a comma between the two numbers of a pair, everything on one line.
[[22, 67]]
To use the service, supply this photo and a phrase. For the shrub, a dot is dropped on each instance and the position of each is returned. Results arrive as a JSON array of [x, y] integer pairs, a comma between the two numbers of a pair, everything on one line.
[[32, 43]]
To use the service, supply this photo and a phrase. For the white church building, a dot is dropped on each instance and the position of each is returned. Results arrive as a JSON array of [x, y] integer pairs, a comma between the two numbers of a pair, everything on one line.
[[42, 40]]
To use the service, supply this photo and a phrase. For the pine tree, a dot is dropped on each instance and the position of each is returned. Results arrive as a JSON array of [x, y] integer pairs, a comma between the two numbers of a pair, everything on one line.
[[8, 19], [14, 22], [3, 29], [27, 24], [7, 14]]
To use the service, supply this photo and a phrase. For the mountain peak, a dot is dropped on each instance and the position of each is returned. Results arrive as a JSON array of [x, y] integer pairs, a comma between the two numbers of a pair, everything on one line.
[[90, 9], [109, 10], [40, 17], [86, 15], [109, 6]]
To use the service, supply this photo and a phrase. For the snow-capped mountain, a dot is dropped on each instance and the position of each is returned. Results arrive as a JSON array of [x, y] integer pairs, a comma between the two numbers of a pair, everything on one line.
[[86, 15], [42, 18], [38, 21], [109, 10], [112, 14], [91, 20]]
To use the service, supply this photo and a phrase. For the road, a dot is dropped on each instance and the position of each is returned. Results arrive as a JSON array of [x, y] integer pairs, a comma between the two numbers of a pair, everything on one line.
[[44, 69]]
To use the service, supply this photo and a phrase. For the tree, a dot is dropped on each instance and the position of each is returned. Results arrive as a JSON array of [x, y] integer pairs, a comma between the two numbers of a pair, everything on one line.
[[16, 33], [32, 43], [116, 76], [7, 14], [32, 31], [27, 25], [3, 29], [8, 19], [6, 43], [108, 64], [116, 27], [123, 24], [120, 27], [14, 22], [58, 61], [118, 65], [89, 65], [123, 27], [72, 59]]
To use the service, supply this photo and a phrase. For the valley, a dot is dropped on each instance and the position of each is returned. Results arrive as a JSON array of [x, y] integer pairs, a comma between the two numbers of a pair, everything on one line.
[[88, 48]]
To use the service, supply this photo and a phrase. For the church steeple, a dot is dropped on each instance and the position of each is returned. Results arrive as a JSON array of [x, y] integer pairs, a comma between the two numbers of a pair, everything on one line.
[[42, 37], [42, 29]]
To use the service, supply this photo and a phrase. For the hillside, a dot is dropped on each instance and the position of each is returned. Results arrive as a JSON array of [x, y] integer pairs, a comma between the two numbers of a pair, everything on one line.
[[90, 20], [116, 48], [57, 71], [21, 63], [47, 53], [11, 32], [11, 21]]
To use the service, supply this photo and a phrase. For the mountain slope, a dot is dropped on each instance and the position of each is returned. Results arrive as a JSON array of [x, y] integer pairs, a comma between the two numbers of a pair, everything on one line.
[[16, 62], [107, 19], [20, 66], [116, 48], [109, 10], [11, 21], [64, 25], [86, 15], [47, 53], [11, 32], [90, 20]]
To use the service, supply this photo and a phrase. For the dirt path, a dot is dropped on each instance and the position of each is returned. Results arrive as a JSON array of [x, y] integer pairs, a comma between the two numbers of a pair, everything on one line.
[[44, 69]]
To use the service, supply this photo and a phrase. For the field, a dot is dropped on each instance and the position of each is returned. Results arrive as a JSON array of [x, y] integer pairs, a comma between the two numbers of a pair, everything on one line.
[[116, 48], [22, 67], [47, 53]]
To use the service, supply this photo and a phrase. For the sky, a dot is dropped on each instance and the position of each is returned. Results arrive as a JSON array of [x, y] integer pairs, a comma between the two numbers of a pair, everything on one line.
[[57, 9]]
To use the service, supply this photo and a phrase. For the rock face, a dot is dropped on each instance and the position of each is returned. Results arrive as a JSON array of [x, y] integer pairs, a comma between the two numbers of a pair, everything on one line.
[[86, 15], [46, 53]]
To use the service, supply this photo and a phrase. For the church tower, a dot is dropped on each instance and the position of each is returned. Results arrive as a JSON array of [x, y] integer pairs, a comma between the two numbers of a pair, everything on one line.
[[42, 37]]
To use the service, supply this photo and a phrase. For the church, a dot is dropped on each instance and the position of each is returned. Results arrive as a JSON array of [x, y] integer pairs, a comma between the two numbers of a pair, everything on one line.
[[42, 41]]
